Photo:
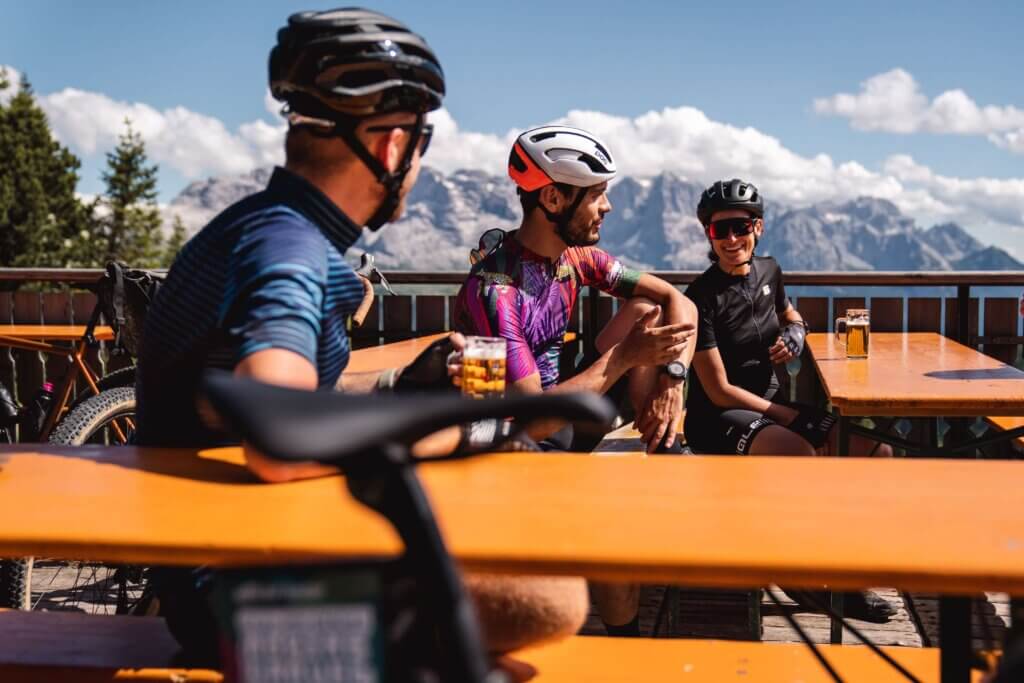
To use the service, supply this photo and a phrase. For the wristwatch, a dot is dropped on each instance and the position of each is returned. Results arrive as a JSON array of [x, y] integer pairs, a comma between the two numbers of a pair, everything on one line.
[[676, 370]]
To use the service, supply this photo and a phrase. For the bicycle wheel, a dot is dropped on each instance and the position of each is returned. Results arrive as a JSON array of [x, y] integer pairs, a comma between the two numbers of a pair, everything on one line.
[[83, 586], [107, 418], [122, 377]]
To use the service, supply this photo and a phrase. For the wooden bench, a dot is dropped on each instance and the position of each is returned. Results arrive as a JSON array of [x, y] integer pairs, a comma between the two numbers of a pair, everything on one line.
[[1006, 423], [53, 646], [38, 647]]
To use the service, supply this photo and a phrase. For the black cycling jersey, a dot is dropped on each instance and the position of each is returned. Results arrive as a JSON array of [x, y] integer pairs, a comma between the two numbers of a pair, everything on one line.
[[740, 316]]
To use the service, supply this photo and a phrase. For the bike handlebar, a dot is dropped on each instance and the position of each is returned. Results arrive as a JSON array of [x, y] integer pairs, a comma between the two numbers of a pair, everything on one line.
[[330, 427]]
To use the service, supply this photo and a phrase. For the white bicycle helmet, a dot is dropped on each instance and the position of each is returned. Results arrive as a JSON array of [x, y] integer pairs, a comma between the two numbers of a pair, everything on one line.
[[559, 154]]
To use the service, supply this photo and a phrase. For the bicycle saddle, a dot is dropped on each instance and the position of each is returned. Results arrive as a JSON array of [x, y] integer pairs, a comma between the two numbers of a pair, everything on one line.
[[291, 424]]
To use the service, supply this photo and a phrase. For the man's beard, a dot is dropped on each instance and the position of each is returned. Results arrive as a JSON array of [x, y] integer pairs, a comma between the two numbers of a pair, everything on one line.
[[578, 235]]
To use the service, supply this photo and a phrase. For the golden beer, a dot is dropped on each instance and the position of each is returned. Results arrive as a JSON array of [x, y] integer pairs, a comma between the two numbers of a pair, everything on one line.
[[483, 377], [858, 332], [483, 367], [858, 339]]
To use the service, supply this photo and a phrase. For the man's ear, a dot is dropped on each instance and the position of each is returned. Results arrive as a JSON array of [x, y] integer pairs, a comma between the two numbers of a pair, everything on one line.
[[758, 227], [388, 149], [551, 199]]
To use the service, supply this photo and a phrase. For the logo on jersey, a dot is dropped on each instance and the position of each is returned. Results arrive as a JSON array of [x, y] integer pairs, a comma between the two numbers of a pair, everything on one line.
[[766, 290]]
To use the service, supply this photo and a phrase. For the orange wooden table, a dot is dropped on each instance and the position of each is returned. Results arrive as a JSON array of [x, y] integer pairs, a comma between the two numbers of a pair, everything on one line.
[[916, 373], [951, 526], [919, 374], [701, 521], [394, 355], [10, 334]]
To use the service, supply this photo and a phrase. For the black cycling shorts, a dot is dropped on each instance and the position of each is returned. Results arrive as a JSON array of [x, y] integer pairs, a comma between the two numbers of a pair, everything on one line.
[[731, 432]]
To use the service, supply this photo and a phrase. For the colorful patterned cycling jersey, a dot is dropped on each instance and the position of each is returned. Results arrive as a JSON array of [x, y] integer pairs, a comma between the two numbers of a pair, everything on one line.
[[522, 296]]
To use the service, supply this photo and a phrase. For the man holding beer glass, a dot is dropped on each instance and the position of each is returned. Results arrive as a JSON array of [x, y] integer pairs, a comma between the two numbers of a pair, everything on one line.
[[523, 287], [748, 325]]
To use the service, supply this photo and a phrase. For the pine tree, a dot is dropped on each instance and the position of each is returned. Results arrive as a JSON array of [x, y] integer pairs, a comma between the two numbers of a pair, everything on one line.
[[40, 216], [126, 218], [175, 242]]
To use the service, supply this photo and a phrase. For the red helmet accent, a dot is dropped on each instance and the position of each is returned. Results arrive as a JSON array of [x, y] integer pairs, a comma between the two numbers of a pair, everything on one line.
[[529, 176]]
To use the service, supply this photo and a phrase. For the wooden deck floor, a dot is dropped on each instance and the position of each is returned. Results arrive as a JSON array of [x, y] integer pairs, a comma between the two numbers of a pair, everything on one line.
[[708, 613]]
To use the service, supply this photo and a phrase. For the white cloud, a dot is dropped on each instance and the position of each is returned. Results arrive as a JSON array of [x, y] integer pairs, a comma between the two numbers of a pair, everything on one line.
[[13, 78], [192, 143], [1000, 200], [893, 102], [683, 140], [680, 140], [452, 148]]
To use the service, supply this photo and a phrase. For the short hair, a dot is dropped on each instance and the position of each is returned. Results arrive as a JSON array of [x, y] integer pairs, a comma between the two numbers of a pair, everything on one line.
[[531, 200], [305, 146]]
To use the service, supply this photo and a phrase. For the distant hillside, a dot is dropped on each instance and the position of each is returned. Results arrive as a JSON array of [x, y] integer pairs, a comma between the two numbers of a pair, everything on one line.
[[652, 226]]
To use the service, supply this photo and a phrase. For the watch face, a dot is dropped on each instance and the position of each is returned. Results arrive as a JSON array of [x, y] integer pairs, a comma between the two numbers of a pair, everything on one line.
[[675, 370]]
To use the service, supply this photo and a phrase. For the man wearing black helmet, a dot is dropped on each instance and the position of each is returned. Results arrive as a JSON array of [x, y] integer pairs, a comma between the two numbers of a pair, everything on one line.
[[264, 289], [748, 325]]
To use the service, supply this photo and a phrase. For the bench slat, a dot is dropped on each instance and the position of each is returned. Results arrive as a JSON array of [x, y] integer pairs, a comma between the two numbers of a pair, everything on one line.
[[54, 646], [663, 660]]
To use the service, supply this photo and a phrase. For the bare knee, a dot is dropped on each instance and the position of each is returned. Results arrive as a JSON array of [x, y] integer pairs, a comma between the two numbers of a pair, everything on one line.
[[777, 440], [622, 322], [516, 611]]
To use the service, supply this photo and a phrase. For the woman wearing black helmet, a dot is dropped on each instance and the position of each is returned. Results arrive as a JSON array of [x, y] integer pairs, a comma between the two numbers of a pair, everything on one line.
[[747, 326]]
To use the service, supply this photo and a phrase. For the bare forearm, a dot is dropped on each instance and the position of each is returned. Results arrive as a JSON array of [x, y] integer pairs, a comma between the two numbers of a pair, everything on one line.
[[358, 382]]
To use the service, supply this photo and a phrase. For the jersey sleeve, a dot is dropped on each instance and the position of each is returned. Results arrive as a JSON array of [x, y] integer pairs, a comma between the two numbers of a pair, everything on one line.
[[705, 304], [597, 268], [491, 309], [277, 278]]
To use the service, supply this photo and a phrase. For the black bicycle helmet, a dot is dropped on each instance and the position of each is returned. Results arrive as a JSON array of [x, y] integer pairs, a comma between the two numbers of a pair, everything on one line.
[[353, 62], [729, 194], [337, 67]]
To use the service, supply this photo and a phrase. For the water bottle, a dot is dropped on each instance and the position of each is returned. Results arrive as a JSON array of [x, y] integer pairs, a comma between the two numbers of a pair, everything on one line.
[[36, 411]]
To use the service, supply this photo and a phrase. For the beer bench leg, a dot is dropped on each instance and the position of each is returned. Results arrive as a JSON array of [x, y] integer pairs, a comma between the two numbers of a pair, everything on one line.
[[844, 436], [836, 625], [955, 638]]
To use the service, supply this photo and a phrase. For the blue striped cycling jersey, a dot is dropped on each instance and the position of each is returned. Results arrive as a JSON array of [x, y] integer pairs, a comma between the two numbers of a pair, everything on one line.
[[268, 272]]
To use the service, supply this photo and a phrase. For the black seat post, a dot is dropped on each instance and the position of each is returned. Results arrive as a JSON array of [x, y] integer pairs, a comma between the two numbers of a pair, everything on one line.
[[394, 490]]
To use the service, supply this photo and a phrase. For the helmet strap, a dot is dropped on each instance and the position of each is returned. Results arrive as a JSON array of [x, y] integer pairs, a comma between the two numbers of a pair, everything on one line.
[[392, 182], [563, 219]]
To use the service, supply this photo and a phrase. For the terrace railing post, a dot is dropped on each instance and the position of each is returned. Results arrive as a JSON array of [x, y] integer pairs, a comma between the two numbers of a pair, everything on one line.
[[963, 314], [590, 329]]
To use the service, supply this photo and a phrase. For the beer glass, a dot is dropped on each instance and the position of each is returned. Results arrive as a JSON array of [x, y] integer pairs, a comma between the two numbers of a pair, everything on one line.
[[858, 332], [483, 367]]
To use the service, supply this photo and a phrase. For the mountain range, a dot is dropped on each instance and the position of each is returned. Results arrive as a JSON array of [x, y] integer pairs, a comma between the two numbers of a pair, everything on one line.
[[652, 226]]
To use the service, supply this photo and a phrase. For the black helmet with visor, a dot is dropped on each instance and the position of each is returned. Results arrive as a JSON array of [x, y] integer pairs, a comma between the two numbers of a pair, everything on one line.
[[336, 67]]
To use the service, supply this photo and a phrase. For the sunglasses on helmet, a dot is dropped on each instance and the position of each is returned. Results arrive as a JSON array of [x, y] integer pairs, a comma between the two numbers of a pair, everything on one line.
[[489, 241], [740, 227], [425, 134]]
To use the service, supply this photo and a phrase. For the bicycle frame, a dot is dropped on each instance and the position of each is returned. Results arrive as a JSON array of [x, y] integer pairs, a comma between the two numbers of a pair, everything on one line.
[[76, 355]]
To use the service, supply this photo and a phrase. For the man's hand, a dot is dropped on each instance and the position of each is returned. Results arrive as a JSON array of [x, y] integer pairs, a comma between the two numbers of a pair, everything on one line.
[[648, 345], [432, 369], [454, 360], [658, 420]]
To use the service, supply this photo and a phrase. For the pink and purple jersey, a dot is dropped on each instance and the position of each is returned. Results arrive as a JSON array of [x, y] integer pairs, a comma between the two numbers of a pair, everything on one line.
[[527, 299]]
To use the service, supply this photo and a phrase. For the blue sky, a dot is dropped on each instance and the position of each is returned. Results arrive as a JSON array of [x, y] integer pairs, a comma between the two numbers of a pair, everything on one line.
[[764, 76]]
